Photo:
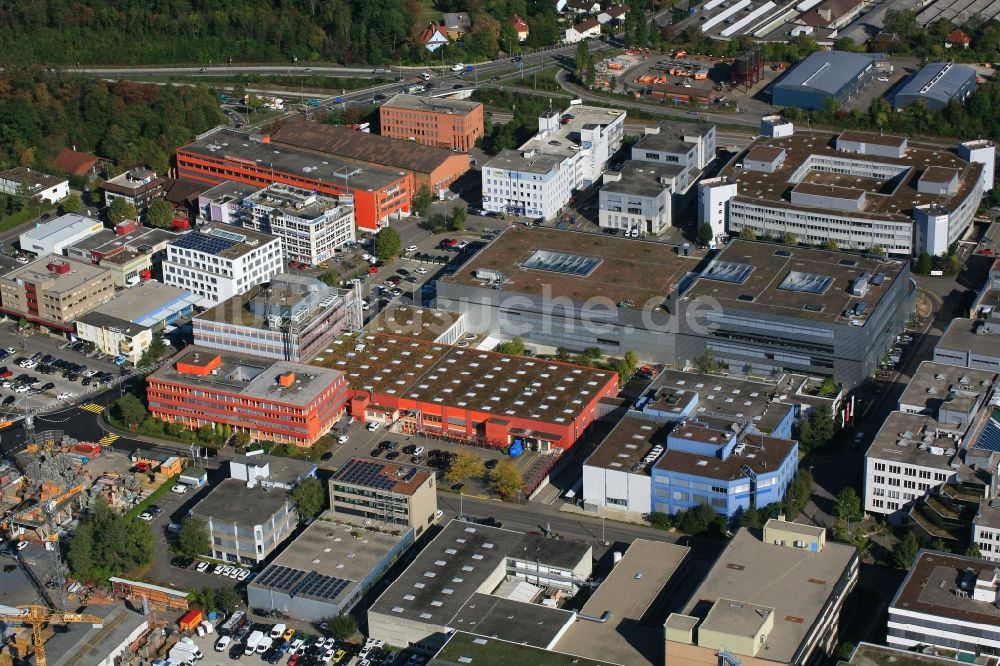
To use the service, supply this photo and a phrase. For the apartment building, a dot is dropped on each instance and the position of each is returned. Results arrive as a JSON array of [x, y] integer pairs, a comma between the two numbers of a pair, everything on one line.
[[219, 261], [385, 492], [136, 186], [311, 227], [290, 318], [246, 521], [947, 602], [269, 400], [570, 151], [455, 124], [34, 184], [54, 291]]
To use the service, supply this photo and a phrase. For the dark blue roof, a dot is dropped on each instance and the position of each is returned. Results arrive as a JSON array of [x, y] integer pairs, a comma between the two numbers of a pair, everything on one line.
[[938, 81], [827, 71], [204, 242], [989, 438]]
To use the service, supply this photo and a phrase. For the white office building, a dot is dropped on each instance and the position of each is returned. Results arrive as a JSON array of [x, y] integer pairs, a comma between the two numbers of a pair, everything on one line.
[[220, 261], [986, 529], [639, 197], [569, 152], [310, 226], [713, 196]]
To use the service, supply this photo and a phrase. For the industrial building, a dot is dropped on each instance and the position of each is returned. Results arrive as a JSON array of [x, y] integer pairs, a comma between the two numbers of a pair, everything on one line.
[[570, 151], [773, 597], [468, 567], [227, 155], [385, 493], [937, 84], [219, 261], [290, 318], [136, 186], [855, 189], [311, 227], [947, 605], [971, 343], [467, 395], [455, 124], [120, 631], [826, 75], [769, 309], [470, 648], [273, 400], [56, 235], [326, 570], [54, 291], [436, 168]]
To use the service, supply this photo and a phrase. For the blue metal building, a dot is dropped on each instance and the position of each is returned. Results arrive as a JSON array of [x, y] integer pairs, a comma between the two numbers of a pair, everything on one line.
[[824, 74], [937, 84]]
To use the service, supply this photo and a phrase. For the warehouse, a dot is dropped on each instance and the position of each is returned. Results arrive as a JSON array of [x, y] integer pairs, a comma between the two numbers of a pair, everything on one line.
[[836, 75], [937, 84]]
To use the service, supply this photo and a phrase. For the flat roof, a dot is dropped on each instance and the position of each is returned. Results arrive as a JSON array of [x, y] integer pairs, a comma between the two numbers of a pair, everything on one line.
[[931, 584], [279, 469], [503, 385], [932, 383], [827, 71], [565, 554], [812, 531], [226, 144], [629, 269], [432, 104], [764, 153], [382, 475], [79, 274], [961, 336], [354, 145], [721, 400], [327, 549], [223, 240], [249, 376], [869, 654], [858, 136], [468, 649], [515, 160], [284, 294], [82, 643], [908, 438], [297, 202], [62, 228], [627, 593], [232, 502], [988, 514], [795, 582], [736, 617], [139, 239], [413, 322], [669, 137], [642, 178], [517, 621], [760, 453], [628, 443], [891, 199], [764, 268], [142, 302], [132, 179]]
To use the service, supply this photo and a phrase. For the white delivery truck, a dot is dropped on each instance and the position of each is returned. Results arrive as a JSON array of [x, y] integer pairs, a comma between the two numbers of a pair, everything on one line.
[[252, 642], [264, 645]]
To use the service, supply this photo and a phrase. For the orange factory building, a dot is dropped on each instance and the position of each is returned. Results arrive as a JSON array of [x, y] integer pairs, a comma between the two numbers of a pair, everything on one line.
[[269, 400], [445, 123], [435, 167], [226, 155]]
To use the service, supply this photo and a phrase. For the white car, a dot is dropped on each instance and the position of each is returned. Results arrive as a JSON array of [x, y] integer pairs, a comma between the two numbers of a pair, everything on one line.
[[342, 439], [458, 67], [22, 260], [277, 630], [372, 427], [201, 567], [462, 244], [365, 305], [243, 574], [21, 545], [65, 396], [411, 248], [21, 389], [417, 451], [90, 373], [235, 573], [420, 270], [179, 489], [145, 515]]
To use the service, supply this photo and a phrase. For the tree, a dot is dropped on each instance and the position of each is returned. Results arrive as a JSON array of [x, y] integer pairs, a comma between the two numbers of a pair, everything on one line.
[[193, 539], [341, 627], [23, 323], [798, 495], [72, 204], [817, 429], [121, 210], [746, 233], [153, 352], [563, 354], [130, 410], [437, 223], [627, 366], [973, 550], [457, 220], [925, 264], [106, 544], [700, 519], [831, 244], [829, 387], [228, 599], [242, 439], [387, 243], [206, 434], [505, 479], [705, 234], [422, 200], [905, 551], [464, 466], [159, 214], [789, 238], [659, 520], [513, 347], [330, 278], [309, 497], [581, 60], [593, 353], [849, 505], [706, 362]]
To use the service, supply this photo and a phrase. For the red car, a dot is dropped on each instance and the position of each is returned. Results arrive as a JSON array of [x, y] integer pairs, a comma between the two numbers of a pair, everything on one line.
[[372, 270], [5, 373], [294, 659]]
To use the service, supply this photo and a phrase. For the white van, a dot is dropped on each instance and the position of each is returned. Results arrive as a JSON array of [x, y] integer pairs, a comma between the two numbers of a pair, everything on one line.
[[264, 645], [223, 643], [253, 641], [277, 631]]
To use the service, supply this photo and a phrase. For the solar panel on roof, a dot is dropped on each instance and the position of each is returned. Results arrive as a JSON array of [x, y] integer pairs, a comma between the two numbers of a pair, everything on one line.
[[203, 243], [320, 586], [364, 473], [989, 438], [810, 283], [728, 271], [280, 578], [228, 235]]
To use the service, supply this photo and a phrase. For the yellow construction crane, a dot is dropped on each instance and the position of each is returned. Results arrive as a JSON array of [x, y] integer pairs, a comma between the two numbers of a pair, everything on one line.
[[37, 617]]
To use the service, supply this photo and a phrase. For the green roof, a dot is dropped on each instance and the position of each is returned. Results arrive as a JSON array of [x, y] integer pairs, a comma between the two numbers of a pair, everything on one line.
[[464, 649]]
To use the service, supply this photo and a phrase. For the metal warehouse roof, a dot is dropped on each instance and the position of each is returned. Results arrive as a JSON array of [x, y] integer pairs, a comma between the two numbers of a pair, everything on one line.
[[938, 81], [827, 71]]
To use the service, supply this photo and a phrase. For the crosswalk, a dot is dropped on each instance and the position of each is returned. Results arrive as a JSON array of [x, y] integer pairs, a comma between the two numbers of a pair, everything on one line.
[[108, 439], [92, 407]]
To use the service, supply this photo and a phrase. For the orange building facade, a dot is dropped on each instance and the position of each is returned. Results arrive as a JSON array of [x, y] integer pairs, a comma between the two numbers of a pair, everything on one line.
[[453, 124]]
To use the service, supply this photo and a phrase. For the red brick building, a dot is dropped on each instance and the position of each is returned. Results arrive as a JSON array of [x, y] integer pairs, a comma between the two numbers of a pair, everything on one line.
[[445, 123], [273, 400]]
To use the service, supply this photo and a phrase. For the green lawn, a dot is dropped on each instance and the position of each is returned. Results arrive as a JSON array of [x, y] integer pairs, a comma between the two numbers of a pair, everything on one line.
[[152, 499], [19, 218]]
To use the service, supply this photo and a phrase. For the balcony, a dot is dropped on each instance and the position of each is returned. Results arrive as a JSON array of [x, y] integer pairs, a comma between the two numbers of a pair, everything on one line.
[[926, 528]]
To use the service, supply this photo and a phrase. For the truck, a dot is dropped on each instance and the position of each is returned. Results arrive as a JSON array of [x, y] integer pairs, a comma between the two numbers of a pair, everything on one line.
[[253, 640], [413, 90], [233, 624], [312, 102]]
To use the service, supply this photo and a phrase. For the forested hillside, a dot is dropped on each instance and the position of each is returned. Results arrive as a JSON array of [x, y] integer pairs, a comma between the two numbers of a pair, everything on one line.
[[42, 112]]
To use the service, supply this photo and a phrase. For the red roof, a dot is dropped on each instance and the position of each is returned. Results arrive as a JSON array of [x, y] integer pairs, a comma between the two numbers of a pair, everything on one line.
[[428, 34], [518, 23], [75, 163], [586, 25], [956, 36], [617, 12]]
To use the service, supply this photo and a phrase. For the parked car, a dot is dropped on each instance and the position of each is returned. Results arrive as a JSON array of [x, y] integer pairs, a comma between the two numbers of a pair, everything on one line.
[[179, 489]]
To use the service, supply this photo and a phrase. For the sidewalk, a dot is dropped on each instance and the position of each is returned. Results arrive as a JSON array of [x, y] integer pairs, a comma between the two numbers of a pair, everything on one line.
[[602, 512]]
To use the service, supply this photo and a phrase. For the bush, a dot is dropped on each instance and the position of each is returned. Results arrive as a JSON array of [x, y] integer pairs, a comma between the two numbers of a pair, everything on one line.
[[341, 627], [659, 520]]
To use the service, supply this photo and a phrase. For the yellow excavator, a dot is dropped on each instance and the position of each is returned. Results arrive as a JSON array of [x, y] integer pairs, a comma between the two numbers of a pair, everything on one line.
[[37, 617]]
